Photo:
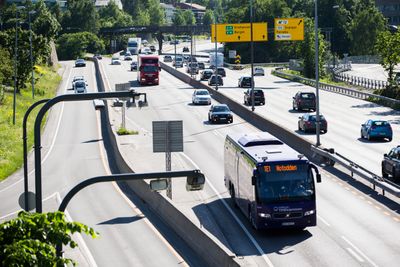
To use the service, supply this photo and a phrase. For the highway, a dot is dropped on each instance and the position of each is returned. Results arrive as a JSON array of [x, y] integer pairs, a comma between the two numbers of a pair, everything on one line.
[[353, 228], [73, 151]]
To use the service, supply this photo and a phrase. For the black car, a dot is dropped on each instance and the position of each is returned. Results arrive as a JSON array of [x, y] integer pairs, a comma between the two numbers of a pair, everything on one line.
[[152, 48], [307, 123], [244, 81], [259, 98], [80, 62], [133, 65], [221, 71], [206, 74], [202, 66], [391, 164], [185, 49], [304, 100], [215, 80], [220, 113]]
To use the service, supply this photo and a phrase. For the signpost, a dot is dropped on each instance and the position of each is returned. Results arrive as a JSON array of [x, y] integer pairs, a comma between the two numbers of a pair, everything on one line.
[[289, 29], [239, 32], [168, 137]]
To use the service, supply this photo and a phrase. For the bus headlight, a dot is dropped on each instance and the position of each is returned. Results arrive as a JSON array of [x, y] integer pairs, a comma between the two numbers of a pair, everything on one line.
[[264, 215], [309, 212]]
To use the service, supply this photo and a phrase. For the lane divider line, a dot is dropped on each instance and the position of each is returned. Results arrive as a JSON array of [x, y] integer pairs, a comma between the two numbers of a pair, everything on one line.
[[257, 246], [359, 251], [324, 221], [355, 255]]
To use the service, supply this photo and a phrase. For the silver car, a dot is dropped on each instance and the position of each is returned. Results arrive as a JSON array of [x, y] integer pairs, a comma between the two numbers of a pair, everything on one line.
[[201, 96]]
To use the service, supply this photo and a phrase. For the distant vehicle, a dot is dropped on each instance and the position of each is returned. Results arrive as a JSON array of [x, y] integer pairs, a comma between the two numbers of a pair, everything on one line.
[[134, 45], [304, 100], [80, 62], [220, 113], [391, 164], [216, 61], [376, 129], [153, 48], [307, 123], [77, 78], [192, 68], [201, 65], [98, 56], [215, 80], [259, 98], [80, 87], [397, 77], [221, 71], [271, 183], [148, 69], [244, 81], [98, 103], [115, 61], [127, 56], [167, 58], [185, 49], [174, 42], [189, 58], [178, 62], [133, 65], [258, 71], [201, 96], [145, 42], [146, 51], [206, 74]]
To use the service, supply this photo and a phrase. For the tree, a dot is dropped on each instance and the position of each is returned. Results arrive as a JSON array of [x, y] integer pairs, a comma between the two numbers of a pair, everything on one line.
[[388, 47], [31, 238], [112, 16], [80, 15], [178, 18], [189, 17], [157, 14], [208, 17], [75, 45]]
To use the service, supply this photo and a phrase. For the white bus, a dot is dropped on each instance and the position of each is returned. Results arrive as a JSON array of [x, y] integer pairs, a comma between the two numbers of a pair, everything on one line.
[[134, 45]]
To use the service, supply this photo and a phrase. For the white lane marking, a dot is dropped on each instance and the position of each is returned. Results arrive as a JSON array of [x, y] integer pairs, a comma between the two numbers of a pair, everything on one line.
[[217, 133], [324, 221], [81, 242], [259, 249], [129, 202], [52, 143], [359, 252], [355, 255]]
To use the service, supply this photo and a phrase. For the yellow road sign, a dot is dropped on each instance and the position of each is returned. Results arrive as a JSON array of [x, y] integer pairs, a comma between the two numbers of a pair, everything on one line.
[[239, 32], [289, 29]]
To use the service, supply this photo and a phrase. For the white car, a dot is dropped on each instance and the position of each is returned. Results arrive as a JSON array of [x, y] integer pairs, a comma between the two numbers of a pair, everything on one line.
[[146, 51], [201, 96], [77, 78], [258, 71], [115, 61]]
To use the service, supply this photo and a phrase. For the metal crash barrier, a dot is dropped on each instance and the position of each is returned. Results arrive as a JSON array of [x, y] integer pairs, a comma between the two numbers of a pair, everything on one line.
[[331, 157]]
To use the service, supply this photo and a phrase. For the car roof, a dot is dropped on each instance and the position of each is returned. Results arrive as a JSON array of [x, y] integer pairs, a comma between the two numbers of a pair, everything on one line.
[[200, 90]]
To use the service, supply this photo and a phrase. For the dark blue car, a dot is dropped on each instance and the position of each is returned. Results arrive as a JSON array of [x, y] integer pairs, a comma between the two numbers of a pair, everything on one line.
[[376, 129]]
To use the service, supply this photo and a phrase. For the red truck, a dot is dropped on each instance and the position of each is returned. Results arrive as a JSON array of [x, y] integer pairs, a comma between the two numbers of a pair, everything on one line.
[[148, 69]]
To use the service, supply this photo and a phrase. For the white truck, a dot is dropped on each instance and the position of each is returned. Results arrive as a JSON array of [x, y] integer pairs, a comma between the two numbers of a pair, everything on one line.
[[220, 59], [134, 45]]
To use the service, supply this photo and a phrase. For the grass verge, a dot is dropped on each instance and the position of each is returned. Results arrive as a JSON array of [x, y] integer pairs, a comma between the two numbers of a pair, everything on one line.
[[11, 151]]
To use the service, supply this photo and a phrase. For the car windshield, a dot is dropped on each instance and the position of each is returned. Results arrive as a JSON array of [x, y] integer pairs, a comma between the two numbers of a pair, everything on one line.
[[284, 182], [308, 95], [221, 109], [314, 118], [258, 92], [202, 93], [80, 60], [380, 123], [79, 84]]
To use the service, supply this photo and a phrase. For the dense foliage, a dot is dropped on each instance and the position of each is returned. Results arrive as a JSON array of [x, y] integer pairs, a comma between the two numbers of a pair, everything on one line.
[[31, 239], [76, 45]]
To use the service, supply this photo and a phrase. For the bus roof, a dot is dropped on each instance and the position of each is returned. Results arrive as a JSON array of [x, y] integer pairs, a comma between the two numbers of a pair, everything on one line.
[[264, 147]]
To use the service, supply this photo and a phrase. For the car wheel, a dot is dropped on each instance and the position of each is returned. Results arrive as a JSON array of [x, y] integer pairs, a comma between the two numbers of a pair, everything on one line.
[[394, 174], [293, 107], [368, 137], [384, 174], [361, 134]]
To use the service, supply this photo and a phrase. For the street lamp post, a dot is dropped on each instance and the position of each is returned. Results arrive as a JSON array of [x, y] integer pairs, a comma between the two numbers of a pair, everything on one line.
[[15, 62], [252, 55], [216, 56], [30, 51], [318, 121]]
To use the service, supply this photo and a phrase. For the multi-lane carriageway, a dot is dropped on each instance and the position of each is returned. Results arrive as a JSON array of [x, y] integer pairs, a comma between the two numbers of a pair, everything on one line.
[[351, 224], [355, 225]]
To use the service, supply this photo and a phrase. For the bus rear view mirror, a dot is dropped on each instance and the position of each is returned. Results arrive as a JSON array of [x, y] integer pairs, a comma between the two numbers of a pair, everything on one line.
[[195, 182], [318, 178], [158, 185]]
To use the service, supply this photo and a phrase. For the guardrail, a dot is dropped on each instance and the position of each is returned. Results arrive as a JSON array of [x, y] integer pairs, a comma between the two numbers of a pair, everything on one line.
[[341, 90], [360, 81], [376, 181], [295, 141]]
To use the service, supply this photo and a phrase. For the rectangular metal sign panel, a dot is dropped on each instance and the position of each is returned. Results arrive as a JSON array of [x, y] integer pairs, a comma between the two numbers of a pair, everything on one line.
[[167, 136], [239, 32], [122, 87], [289, 29]]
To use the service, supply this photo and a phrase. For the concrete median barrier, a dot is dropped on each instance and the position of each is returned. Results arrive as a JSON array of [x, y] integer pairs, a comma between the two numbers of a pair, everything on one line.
[[201, 242]]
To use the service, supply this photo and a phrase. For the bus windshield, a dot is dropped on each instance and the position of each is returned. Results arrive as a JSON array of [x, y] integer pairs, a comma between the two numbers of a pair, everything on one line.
[[285, 182]]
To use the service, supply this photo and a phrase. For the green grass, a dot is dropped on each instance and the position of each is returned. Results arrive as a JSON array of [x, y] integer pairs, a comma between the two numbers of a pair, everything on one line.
[[11, 151], [123, 131]]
